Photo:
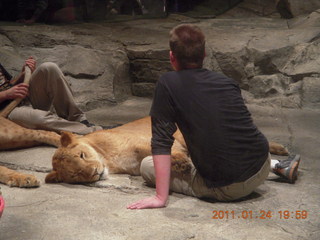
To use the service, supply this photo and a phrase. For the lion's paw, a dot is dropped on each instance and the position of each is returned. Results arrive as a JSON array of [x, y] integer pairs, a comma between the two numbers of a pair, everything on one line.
[[23, 181], [181, 166]]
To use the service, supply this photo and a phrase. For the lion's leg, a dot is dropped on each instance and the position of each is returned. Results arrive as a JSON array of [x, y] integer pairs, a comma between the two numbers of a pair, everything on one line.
[[14, 136], [180, 163], [15, 179], [277, 149], [181, 177]]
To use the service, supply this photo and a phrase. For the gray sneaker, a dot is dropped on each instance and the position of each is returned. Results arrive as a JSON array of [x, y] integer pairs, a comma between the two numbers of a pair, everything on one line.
[[288, 168]]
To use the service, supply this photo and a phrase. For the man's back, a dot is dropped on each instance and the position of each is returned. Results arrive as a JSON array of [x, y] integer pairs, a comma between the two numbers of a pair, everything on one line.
[[224, 144]]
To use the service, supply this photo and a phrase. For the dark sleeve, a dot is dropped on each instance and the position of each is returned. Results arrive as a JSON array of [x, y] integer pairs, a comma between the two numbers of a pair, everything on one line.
[[162, 136], [162, 120], [162, 106]]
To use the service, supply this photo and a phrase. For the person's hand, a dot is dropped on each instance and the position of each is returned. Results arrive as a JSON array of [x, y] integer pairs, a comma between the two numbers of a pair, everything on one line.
[[152, 202], [26, 21], [19, 91], [31, 63], [21, 20], [30, 21]]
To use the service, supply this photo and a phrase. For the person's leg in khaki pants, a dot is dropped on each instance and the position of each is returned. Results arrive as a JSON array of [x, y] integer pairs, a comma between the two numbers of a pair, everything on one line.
[[178, 183], [49, 89], [194, 185]]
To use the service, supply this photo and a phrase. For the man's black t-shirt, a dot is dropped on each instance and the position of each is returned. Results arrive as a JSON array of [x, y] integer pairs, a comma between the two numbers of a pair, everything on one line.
[[224, 144]]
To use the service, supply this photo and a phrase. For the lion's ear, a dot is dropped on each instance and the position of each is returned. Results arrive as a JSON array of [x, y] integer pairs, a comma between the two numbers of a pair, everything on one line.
[[52, 177], [66, 138]]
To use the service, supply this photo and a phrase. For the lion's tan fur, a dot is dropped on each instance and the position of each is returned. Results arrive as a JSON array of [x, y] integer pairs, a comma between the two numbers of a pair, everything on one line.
[[91, 157], [120, 150], [13, 136]]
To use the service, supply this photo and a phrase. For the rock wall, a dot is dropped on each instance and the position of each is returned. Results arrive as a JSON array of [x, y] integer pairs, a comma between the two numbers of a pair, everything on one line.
[[297, 7], [276, 76], [275, 61], [97, 70]]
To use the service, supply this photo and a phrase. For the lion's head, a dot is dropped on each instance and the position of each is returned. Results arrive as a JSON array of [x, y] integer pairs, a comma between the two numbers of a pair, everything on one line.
[[76, 161]]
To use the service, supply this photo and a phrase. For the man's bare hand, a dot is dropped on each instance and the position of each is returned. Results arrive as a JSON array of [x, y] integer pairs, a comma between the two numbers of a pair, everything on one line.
[[31, 63], [152, 202], [19, 91]]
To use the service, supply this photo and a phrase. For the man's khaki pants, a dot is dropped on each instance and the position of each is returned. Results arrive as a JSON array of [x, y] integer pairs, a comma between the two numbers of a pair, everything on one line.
[[193, 184], [49, 90]]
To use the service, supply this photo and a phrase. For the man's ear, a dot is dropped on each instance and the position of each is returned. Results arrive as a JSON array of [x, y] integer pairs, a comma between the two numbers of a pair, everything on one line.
[[173, 61], [66, 138]]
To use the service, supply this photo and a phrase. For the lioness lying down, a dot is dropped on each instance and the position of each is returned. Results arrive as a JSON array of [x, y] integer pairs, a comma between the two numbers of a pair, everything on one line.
[[89, 158], [120, 150]]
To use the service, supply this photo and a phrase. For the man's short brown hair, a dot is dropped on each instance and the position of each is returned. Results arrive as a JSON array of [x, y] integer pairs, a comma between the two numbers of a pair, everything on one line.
[[187, 43]]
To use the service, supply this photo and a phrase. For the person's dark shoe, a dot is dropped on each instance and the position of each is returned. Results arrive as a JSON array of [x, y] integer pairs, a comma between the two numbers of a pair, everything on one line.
[[91, 125], [111, 126], [288, 168], [86, 122]]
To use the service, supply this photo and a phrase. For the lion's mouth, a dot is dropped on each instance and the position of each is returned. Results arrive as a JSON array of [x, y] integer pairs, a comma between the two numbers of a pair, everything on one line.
[[104, 174]]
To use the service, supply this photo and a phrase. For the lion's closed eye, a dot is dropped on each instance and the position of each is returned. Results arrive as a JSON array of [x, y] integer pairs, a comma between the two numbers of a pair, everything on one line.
[[82, 155]]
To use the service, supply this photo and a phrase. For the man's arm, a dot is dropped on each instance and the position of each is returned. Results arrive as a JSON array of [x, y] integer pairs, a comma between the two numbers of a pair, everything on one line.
[[18, 91], [162, 165], [21, 90], [161, 143]]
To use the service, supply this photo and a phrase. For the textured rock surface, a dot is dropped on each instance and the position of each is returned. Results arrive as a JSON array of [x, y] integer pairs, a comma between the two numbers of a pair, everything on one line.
[[269, 57], [298, 7]]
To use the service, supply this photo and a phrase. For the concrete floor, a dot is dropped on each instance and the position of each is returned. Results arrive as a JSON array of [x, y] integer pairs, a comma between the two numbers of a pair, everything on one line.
[[98, 211]]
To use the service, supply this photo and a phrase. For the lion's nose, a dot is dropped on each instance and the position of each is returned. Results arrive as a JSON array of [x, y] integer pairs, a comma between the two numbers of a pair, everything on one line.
[[97, 174], [101, 175]]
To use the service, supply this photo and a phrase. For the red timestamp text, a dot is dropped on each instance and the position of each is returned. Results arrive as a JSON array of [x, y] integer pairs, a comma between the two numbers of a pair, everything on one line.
[[260, 214]]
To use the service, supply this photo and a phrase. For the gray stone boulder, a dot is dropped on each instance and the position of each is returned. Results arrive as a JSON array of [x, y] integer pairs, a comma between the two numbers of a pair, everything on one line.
[[295, 8], [310, 92], [98, 70], [107, 62]]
